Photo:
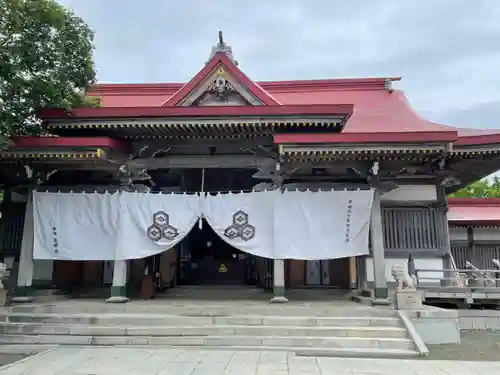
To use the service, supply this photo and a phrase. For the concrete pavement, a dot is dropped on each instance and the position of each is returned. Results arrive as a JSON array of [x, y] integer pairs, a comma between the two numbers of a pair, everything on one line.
[[164, 361]]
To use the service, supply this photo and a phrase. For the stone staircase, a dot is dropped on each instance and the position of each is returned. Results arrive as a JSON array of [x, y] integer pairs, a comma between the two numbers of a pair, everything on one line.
[[345, 329]]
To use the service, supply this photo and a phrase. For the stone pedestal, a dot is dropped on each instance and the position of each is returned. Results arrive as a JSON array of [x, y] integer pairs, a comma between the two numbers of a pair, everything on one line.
[[4, 285], [408, 299]]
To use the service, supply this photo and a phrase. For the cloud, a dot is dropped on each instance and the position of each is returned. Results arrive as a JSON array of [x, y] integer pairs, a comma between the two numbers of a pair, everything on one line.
[[446, 50]]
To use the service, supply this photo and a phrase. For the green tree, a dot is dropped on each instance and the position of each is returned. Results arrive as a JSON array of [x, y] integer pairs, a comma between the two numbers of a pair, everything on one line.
[[480, 189], [45, 61]]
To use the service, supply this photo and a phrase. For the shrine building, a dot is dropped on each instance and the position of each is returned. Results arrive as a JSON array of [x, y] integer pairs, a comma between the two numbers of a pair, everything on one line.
[[236, 141], [474, 231]]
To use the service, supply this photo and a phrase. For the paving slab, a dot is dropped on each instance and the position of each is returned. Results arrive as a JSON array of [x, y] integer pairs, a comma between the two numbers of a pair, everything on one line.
[[167, 361]]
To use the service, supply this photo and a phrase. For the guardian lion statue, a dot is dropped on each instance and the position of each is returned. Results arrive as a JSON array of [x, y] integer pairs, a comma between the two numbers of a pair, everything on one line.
[[403, 280], [3, 273]]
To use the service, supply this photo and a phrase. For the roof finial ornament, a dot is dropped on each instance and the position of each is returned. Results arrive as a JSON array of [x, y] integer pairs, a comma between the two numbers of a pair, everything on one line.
[[224, 48]]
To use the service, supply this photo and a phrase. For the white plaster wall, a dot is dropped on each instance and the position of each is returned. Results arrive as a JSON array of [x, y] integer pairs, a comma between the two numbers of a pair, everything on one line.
[[42, 269], [486, 234], [411, 193], [458, 234], [420, 263]]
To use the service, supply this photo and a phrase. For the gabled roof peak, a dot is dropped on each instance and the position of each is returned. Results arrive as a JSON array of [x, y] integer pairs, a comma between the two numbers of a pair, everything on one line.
[[220, 83], [222, 47]]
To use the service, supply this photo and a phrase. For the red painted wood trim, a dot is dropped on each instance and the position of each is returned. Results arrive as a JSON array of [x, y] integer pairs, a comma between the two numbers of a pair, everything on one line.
[[474, 223], [478, 140], [288, 86], [425, 137], [457, 202], [41, 142], [136, 112], [220, 58]]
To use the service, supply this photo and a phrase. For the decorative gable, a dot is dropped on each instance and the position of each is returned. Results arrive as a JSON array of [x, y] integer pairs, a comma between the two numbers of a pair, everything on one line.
[[220, 89], [221, 83]]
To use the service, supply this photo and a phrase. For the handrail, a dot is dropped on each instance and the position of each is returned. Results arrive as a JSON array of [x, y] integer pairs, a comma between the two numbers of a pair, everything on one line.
[[472, 270], [454, 266], [413, 333], [469, 274]]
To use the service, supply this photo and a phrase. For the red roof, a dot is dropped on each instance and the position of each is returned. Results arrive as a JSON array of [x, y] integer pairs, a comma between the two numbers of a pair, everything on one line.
[[470, 211], [377, 108]]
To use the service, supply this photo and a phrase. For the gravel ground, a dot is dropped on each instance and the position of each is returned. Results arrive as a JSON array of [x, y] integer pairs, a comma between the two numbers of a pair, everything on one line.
[[474, 346]]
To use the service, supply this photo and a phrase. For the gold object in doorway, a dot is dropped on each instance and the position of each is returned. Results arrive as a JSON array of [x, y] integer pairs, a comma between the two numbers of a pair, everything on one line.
[[222, 268]]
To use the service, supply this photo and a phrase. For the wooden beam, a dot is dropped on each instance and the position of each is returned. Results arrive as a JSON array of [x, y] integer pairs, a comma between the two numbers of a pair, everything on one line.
[[202, 161], [240, 143]]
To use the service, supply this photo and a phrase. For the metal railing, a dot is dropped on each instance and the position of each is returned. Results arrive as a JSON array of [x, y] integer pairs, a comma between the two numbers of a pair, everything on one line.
[[469, 277]]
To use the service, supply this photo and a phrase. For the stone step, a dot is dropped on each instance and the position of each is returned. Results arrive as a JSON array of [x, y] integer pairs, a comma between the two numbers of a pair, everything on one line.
[[178, 320], [197, 308], [30, 349], [214, 330], [218, 341]]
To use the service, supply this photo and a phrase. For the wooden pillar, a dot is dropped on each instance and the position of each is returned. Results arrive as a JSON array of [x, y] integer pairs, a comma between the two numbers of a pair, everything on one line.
[[25, 273], [380, 292], [119, 287], [6, 208], [279, 281], [353, 275], [448, 260]]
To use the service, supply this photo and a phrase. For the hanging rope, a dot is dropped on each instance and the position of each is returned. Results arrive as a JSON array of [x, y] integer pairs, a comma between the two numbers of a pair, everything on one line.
[[200, 220]]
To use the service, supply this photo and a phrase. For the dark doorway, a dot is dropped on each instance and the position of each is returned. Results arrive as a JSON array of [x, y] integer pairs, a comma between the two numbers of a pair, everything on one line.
[[206, 259]]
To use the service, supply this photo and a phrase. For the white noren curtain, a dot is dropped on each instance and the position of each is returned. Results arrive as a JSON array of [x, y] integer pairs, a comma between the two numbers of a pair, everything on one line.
[[322, 224], [75, 226], [244, 220], [152, 223]]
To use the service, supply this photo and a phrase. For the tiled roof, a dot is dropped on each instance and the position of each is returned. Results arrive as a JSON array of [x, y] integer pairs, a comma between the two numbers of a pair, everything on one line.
[[377, 107], [474, 210]]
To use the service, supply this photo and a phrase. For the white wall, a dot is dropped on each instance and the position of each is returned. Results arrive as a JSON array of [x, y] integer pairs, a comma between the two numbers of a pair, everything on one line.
[[486, 234], [411, 193], [458, 234], [480, 234], [420, 263]]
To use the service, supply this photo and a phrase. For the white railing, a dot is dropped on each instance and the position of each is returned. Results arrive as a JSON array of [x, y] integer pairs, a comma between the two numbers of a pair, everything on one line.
[[470, 277]]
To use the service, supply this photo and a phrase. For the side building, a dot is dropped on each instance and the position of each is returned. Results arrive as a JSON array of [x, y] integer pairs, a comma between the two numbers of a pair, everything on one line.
[[475, 231]]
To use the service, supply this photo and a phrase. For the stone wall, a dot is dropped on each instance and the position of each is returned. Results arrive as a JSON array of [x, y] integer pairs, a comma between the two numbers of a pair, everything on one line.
[[479, 319], [435, 325]]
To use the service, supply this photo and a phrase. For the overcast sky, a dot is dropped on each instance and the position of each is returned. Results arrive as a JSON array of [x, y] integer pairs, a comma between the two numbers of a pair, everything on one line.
[[447, 51]]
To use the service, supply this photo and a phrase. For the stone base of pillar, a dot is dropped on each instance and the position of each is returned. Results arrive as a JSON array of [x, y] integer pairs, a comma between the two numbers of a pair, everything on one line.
[[118, 295], [278, 299], [117, 299], [23, 295], [381, 302], [23, 299], [279, 295], [380, 296]]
